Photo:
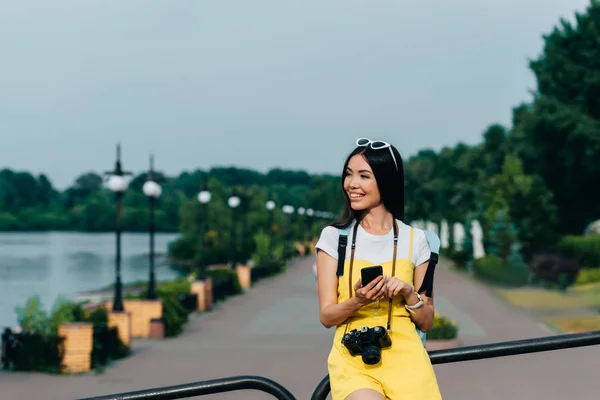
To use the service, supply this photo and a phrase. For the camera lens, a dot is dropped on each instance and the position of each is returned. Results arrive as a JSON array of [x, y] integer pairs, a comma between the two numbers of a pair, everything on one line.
[[371, 355]]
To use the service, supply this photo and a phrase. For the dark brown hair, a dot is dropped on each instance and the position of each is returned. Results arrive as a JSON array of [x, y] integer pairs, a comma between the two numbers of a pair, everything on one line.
[[390, 182]]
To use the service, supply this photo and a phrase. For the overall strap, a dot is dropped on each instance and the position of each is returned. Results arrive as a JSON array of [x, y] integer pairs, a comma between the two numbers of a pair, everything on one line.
[[389, 320], [410, 243], [352, 248]]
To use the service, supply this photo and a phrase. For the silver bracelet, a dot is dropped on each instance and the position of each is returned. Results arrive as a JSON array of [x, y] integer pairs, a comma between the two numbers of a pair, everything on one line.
[[419, 304]]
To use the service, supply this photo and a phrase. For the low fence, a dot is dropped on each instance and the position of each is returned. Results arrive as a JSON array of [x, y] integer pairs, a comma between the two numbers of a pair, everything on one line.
[[459, 354]]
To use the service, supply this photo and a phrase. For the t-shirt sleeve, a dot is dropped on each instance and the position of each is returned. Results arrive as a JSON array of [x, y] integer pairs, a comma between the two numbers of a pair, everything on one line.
[[328, 241], [421, 250]]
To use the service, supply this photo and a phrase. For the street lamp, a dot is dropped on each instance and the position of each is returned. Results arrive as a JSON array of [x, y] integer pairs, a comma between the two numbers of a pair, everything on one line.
[[118, 185], [233, 202], [153, 190], [288, 210], [270, 206], [203, 197], [301, 213]]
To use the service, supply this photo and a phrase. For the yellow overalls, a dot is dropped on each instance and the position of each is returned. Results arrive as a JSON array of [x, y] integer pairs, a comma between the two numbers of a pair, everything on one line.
[[405, 371]]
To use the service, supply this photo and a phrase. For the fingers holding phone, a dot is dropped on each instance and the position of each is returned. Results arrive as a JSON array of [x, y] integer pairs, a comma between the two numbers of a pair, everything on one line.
[[375, 286]]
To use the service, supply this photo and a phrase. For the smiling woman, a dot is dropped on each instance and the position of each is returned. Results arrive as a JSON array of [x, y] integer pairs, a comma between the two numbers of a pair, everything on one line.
[[377, 321]]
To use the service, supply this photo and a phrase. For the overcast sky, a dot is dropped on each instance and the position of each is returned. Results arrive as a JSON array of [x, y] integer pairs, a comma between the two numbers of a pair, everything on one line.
[[256, 83]]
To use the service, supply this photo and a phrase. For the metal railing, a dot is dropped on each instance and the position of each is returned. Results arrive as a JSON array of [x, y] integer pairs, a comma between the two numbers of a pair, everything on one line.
[[205, 387], [494, 350], [459, 354]]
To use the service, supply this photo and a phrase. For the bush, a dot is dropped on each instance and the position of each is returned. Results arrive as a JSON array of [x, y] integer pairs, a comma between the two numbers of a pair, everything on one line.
[[268, 257], [225, 283], [169, 289], [555, 269], [460, 257], [36, 352], [502, 235], [38, 347], [493, 269], [32, 318], [590, 275], [442, 329], [174, 316], [107, 346], [583, 249]]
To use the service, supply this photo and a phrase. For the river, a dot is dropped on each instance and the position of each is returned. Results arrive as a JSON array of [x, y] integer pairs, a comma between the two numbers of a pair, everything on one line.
[[53, 264]]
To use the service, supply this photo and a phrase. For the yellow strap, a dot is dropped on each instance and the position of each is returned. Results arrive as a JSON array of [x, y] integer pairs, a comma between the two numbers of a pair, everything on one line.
[[410, 249]]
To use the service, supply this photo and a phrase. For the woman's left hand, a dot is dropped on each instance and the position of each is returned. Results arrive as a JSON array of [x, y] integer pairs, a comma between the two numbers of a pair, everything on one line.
[[395, 286]]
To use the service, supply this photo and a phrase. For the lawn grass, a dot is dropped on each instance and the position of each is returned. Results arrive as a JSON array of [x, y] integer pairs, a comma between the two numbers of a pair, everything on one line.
[[575, 324], [538, 299]]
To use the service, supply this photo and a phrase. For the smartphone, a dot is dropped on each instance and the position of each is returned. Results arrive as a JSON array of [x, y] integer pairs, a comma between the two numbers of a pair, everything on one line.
[[370, 273]]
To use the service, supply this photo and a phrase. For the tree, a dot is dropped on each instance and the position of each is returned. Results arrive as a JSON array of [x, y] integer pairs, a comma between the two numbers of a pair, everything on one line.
[[524, 201], [558, 135]]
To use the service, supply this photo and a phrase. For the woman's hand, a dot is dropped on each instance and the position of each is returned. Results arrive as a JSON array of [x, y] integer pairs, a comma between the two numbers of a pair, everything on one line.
[[394, 287], [374, 291]]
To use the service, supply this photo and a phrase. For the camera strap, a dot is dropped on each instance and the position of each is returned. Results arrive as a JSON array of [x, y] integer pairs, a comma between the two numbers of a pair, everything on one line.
[[352, 248]]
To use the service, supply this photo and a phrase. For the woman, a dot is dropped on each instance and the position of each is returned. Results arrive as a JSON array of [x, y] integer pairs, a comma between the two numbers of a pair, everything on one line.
[[373, 183]]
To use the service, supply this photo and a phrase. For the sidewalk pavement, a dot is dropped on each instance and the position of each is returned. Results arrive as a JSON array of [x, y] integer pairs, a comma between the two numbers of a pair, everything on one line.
[[273, 331]]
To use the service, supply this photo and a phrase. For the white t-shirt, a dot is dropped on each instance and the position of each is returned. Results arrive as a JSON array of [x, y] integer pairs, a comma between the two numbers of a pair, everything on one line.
[[378, 248]]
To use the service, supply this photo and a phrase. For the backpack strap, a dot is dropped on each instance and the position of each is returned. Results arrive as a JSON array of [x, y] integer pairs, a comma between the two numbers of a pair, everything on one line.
[[434, 245], [342, 244]]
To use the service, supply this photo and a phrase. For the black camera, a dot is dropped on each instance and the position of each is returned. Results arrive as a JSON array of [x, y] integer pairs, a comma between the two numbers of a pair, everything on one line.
[[367, 342]]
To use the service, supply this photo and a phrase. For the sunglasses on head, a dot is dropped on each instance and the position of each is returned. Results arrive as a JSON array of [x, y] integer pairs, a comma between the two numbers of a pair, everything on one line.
[[377, 145]]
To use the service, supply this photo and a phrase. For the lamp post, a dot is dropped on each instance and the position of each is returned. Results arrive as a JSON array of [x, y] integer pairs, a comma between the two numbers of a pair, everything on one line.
[[310, 213], [270, 207], [301, 213], [233, 202], [153, 190], [118, 185], [203, 197], [288, 210]]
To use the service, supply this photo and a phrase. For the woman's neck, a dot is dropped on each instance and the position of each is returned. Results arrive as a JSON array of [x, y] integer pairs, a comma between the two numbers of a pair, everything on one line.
[[377, 220]]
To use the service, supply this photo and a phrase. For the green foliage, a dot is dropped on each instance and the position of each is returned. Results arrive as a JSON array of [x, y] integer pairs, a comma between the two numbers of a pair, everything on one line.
[[225, 283], [443, 329], [494, 270], [557, 134], [107, 346], [174, 316], [502, 236], [32, 318], [37, 352], [268, 255], [520, 207], [586, 276], [517, 266], [31, 203], [65, 311], [584, 249], [38, 347], [467, 246]]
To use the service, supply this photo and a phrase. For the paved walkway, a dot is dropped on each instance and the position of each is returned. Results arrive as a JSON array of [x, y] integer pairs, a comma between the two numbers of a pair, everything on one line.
[[273, 330]]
